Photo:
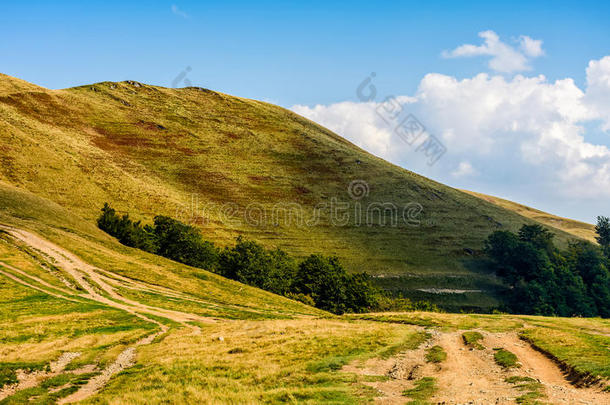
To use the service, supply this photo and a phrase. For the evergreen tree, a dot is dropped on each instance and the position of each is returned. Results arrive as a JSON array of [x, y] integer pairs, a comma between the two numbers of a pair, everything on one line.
[[603, 234]]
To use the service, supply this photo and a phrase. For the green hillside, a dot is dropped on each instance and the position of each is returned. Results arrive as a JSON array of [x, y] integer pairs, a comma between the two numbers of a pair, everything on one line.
[[237, 167], [85, 319], [579, 229]]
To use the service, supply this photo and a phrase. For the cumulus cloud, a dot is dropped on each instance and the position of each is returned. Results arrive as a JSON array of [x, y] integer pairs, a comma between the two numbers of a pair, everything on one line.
[[598, 89], [464, 169], [504, 57], [531, 47], [525, 132]]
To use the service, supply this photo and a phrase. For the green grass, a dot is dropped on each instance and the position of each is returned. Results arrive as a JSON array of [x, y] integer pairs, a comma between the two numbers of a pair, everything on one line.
[[411, 342], [506, 359], [69, 151], [580, 229], [447, 322], [215, 295], [436, 354], [584, 352], [533, 390], [424, 389], [35, 328], [150, 150], [472, 339]]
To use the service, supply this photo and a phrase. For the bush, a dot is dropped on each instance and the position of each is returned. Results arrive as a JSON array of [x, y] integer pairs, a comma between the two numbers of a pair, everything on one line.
[[332, 288], [472, 339], [305, 299]]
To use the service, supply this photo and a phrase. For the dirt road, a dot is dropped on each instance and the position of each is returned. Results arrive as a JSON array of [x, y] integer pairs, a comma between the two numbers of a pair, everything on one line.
[[94, 285], [471, 376]]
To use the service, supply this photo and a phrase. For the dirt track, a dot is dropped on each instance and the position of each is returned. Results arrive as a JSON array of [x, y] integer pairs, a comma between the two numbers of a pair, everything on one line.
[[466, 377], [470, 376], [97, 287]]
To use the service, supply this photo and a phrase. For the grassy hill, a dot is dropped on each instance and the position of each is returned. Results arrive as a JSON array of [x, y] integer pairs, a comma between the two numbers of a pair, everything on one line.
[[579, 229], [84, 319], [242, 167]]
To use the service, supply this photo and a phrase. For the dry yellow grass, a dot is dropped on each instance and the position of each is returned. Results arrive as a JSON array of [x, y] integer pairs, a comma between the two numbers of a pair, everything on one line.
[[579, 229], [256, 362], [148, 150]]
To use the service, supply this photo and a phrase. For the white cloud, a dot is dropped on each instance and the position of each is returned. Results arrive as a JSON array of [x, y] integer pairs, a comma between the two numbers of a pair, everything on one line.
[[598, 89], [464, 169], [527, 133], [531, 47], [504, 58], [179, 12]]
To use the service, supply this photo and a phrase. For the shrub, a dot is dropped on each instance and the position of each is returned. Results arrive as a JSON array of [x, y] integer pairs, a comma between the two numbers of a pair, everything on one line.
[[249, 262], [129, 233], [305, 299]]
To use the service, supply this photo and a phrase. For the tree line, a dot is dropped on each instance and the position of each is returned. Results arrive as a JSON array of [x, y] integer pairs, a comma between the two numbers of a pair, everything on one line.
[[544, 280], [317, 280]]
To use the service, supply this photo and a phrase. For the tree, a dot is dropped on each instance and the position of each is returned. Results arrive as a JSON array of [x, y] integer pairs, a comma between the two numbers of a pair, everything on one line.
[[501, 246], [322, 278], [108, 221], [546, 281], [538, 236], [587, 261], [516, 258], [249, 262], [282, 270], [183, 243], [317, 280], [360, 294], [603, 234], [129, 233]]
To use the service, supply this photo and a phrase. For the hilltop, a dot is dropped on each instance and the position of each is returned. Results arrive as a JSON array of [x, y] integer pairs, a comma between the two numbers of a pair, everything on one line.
[[235, 166]]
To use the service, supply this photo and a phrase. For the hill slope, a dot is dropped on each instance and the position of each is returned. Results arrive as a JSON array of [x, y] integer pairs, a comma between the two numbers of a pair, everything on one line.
[[577, 228], [242, 167]]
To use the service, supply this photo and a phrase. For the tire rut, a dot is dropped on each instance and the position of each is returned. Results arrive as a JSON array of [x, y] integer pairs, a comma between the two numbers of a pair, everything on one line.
[[97, 287], [471, 376]]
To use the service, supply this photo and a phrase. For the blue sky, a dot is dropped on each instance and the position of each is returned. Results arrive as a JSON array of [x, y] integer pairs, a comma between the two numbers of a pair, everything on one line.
[[304, 53], [548, 149]]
